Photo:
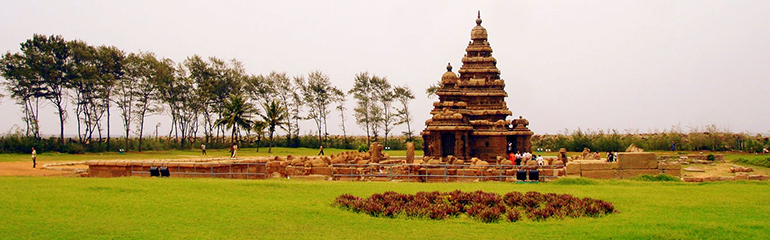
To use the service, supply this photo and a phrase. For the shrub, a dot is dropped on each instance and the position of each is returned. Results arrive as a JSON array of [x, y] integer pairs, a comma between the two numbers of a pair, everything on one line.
[[513, 215], [483, 206], [363, 148], [710, 157], [656, 178]]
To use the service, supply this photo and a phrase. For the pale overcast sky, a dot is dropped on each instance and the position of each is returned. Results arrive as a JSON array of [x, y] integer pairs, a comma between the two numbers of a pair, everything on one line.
[[639, 65]]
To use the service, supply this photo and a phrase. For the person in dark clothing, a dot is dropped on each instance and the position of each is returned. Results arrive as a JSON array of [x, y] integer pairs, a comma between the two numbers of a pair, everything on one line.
[[321, 152]]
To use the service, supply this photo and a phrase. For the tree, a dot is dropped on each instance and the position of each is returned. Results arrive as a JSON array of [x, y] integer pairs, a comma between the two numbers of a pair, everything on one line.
[[237, 114], [367, 112], [145, 73], [403, 95], [259, 130], [382, 93], [110, 60], [286, 92], [49, 59], [126, 91], [317, 92], [24, 87], [275, 116], [84, 81], [339, 98], [432, 89], [202, 76]]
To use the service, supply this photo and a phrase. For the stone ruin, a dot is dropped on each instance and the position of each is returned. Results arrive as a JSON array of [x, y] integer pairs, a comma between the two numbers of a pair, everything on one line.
[[628, 165], [469, 120]]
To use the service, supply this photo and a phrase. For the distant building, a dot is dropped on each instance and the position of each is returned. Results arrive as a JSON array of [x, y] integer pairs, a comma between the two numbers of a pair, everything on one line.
[[469, 120]]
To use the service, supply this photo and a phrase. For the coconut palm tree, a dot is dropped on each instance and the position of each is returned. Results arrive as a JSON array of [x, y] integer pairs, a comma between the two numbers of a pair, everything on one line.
[[275, 116], [236, 114], [259, 129]]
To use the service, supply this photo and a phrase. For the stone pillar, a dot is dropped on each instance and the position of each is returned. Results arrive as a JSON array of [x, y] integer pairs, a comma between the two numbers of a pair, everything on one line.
[[409, 152]]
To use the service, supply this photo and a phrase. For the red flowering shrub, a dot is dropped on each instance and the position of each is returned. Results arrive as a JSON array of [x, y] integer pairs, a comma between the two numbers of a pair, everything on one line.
[[484, 206]]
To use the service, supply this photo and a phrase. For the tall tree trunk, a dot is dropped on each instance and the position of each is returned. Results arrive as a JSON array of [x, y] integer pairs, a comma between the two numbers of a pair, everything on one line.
[[108, 123]]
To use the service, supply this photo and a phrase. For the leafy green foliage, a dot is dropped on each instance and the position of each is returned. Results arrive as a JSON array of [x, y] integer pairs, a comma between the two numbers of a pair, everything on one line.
[[656, 178]]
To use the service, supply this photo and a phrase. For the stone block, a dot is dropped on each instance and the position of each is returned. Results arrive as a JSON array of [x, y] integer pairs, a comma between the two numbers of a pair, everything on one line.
[[711, 179], [573, 169], [598, 166], [637, 160], [669, 165], [409, 152], [467, 172], [727, 178], [599, 174], [327, 171], [741, 176], [692, 179]]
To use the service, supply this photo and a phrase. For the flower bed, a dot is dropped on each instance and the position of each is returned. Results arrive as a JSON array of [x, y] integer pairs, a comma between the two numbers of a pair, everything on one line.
[[483, 206]]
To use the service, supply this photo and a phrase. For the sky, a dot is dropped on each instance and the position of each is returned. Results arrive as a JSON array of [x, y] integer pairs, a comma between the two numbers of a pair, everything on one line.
[[633, 66]]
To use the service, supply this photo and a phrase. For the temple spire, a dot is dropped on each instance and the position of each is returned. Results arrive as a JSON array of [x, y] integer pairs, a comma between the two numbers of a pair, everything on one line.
[[478, 19]]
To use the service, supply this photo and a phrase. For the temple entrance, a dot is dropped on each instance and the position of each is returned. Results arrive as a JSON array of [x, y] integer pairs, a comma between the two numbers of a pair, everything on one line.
[[511, 146], [447, 144]]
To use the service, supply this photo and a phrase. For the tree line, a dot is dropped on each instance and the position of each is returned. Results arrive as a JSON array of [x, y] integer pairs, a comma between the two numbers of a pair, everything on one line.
[[211, 96]]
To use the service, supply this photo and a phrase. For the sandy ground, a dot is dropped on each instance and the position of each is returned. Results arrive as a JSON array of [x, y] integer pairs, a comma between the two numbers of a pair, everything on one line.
[[25, 169]]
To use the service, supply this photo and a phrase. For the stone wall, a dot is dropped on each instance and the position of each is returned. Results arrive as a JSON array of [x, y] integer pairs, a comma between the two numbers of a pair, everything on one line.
[[629, 165], [344, 166]]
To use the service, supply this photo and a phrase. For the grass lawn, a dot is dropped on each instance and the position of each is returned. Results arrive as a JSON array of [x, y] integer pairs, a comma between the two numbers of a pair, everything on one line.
[[176, 154], [108, 208]]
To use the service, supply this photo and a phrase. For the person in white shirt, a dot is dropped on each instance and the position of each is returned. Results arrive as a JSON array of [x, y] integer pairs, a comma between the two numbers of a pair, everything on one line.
[[540, 160]]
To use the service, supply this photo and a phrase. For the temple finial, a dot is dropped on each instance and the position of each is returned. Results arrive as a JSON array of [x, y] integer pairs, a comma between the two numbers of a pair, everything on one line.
[[449, 67], [478, 19]]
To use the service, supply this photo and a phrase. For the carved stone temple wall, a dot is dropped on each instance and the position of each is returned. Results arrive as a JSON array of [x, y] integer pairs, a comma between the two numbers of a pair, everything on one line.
[[469, 120]]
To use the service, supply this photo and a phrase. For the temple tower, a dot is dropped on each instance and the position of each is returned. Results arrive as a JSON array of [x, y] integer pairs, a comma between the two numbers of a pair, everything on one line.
[[469, 120]]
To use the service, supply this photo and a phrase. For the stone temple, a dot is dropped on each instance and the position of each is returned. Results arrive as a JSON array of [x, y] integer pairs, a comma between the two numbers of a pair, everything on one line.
[[469, 120]]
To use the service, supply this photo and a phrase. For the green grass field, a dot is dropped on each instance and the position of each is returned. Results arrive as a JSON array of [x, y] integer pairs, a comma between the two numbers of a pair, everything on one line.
[[175, 154], [109, 208]]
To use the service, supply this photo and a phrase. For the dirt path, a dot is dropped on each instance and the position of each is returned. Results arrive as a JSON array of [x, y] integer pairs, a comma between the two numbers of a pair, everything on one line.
[[25, 169]]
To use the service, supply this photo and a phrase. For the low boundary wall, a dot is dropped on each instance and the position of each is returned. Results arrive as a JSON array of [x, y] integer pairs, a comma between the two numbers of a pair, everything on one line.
[[262, 169]]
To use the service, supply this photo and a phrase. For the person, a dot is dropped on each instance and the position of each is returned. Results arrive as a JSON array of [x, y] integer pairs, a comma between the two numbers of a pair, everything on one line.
[[609, 156], [235, 150], [321, 152], [673, 146], [34, 158], [518, 158], [615, 156], [540, 160], [203, 148], [764, 150]]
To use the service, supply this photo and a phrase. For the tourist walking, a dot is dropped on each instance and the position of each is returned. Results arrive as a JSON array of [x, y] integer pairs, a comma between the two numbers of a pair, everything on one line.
[[34, 158], [321, 151], [673, 146], [233, 150], [203, 148]]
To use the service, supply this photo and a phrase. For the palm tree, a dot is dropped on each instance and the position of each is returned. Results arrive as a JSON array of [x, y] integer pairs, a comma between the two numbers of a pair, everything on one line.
[[275, 116], [259, 129], [236, 114]]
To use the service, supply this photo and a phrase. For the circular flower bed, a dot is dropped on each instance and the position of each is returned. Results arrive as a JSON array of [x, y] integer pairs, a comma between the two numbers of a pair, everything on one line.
[[483, 206]]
